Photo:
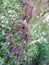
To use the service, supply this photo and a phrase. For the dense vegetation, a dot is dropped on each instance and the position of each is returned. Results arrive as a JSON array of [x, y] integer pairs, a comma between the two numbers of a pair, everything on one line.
[[36, 52]]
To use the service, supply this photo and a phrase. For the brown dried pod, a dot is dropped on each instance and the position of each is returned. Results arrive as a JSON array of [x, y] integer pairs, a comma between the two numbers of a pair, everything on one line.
[[24, 37], [29, 13], [20, 26]]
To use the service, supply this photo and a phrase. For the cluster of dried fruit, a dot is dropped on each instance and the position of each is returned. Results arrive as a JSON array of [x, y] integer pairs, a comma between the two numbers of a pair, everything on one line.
[[21, 26], [28, 10], [24, 36], [14, 50]]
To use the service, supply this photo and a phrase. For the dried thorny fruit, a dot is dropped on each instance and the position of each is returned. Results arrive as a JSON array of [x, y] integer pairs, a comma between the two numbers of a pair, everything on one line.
[[25, 29], [29, 13], [28, 10], [20, 26], [24, 37]]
